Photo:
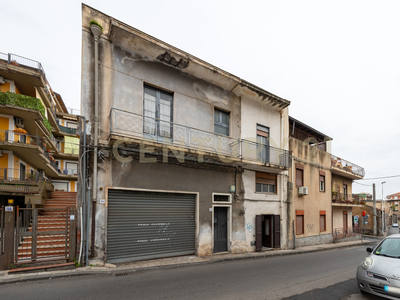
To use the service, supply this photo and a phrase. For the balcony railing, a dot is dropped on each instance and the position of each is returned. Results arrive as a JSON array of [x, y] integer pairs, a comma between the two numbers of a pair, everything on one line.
[[73, 111], [68, 171], [28, 139], [14, 137], [67, 147], [345, 165], [160, 131], [10, 174], [341, 233], [345, 198], [19, 60], [67, 129]]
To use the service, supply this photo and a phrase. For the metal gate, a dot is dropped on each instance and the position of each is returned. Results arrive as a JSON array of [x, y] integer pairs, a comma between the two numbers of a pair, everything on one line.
[[147, 225], [28, 235]]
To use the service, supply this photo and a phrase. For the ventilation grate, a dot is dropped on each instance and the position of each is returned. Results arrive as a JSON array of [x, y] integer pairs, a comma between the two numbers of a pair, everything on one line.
[[120, 274]]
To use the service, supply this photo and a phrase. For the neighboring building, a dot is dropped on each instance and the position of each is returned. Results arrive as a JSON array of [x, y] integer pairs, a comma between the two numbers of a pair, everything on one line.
[[322, 186], [194, 158], [393, 202], [34, 150], [311, 177]]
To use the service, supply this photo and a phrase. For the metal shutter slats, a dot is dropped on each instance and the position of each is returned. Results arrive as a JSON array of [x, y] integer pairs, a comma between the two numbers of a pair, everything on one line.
[[147, 225]]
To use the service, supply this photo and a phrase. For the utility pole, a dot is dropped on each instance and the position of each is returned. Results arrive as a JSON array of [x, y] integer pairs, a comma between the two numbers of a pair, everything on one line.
[[374, 209], [383, 213]]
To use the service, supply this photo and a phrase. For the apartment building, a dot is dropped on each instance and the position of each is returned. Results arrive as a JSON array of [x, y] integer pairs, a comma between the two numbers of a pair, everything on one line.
[[35, 151], [322, 189], [193, 158]]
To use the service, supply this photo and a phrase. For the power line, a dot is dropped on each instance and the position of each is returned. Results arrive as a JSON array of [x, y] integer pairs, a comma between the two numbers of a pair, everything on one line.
[[379, 177], [363, 184]]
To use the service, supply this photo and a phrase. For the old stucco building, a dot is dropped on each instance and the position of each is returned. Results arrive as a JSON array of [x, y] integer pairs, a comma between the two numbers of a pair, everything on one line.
[[322, 189], [194, 160]]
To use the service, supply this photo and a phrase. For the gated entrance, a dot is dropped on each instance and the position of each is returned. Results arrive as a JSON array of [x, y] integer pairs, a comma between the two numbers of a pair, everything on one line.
[[29, 235]]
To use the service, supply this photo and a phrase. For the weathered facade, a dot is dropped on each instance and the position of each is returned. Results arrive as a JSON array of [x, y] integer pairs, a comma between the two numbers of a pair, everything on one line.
[[191, 156], [312, 209], [322, 190]]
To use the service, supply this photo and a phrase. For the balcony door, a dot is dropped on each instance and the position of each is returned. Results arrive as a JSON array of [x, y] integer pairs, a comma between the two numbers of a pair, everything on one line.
[[22, 172], [263, 143], [157, 113]]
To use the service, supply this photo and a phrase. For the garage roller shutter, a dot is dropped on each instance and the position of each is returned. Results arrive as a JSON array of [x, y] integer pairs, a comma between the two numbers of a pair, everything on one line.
[[146, 225]]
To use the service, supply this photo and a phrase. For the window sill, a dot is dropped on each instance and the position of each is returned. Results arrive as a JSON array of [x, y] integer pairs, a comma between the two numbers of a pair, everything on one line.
[[264, 193]]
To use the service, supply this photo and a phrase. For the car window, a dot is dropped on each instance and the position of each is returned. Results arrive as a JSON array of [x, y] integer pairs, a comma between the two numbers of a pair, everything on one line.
[[389, 247]]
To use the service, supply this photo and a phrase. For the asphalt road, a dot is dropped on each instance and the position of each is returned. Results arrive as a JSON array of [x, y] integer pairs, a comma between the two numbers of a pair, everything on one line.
[[318, 275]]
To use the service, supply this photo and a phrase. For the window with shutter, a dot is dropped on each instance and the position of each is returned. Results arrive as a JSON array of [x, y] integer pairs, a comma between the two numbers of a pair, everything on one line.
[[299, 177], [299, 222], [266, 183]]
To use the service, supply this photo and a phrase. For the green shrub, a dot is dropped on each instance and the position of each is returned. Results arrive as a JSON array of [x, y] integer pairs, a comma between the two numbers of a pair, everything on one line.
[[25, 101]]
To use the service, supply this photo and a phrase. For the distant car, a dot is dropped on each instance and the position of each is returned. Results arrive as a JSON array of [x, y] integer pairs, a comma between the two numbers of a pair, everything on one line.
[[379, 273], [395, 225]]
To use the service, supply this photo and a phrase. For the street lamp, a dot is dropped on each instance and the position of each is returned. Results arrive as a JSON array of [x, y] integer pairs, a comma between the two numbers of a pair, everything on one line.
[[383, 214]]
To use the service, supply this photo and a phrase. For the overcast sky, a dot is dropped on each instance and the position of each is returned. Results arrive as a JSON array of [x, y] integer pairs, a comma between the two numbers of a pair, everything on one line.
[[336, 61]]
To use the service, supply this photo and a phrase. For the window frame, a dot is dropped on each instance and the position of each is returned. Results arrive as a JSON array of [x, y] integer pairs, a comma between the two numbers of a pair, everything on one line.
[[266, 177], [322, 185], [299, 167], [157, 112], [300, 213], [226, 126]]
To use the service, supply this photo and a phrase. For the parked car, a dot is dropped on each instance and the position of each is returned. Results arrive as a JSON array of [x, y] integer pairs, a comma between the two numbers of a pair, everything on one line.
[[395, 225], [379, 273]]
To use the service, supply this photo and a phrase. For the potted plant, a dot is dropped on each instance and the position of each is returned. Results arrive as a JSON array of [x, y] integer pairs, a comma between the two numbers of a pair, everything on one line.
[[14, 63]]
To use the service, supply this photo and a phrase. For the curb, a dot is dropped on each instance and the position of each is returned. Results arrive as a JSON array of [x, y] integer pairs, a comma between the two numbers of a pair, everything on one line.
[[80, 272]]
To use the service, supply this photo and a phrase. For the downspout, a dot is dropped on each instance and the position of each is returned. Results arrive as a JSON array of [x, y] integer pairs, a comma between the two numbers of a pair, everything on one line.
[[293, 209], [96, 30], [282, 177]]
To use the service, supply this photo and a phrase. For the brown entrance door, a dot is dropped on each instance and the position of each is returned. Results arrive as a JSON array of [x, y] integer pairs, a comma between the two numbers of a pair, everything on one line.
[[344, 221]]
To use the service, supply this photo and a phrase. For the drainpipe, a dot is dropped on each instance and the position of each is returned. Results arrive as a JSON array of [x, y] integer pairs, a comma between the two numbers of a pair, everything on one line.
[[96, 30], [281, 176]]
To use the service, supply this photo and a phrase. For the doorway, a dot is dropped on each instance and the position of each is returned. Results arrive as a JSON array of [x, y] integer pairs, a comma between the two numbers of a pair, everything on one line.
[[268, 232], [220, 229], [345, 225]]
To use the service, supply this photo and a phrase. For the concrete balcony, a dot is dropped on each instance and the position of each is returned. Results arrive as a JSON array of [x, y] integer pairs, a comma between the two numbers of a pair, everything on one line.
[[340, 199], [139, 131], [346, 169], [31, 149]]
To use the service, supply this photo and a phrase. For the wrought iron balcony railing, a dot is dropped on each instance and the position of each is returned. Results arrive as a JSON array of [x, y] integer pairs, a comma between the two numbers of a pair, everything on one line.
[[10, 174], [345, 198], [151, 129], [347, 166]]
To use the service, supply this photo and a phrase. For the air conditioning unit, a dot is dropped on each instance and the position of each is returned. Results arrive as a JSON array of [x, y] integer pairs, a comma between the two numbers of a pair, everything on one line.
[[19, 123], [303, 190]]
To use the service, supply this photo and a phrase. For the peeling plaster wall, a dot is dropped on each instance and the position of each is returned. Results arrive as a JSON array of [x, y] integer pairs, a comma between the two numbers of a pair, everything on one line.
[[193, 101], [253, 208], [254, 113]]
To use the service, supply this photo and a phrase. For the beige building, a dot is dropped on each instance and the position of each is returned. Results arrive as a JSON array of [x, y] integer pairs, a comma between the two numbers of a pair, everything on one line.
[[322, 189]]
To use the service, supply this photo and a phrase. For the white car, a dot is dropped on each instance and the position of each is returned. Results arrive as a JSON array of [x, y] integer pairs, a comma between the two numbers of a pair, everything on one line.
[[379, 273]]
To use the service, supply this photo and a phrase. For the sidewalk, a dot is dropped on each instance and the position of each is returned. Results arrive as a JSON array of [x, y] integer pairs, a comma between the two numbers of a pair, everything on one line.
[[173, 262]]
